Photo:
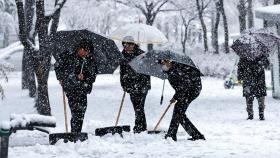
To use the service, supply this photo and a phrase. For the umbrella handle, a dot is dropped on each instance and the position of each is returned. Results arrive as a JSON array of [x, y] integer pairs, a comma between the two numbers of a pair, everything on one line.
[[65, 111], [161, 99], [162, 116], [120, 109], [82, 66]]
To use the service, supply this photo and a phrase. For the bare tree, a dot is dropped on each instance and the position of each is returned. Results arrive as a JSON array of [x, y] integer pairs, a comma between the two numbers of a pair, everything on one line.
[[149, 8], [222, 10], [242, 15], [184, 33], [201, 6], [28, 73], [215, 43], [40, 57], [250, 14]]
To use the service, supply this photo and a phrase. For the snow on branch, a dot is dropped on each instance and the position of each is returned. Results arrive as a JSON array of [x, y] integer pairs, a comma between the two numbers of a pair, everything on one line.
[[57, 8]]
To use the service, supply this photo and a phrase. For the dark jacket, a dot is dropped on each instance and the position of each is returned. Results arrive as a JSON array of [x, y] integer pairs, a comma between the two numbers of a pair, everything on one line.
[[185, 80], [69, 66], [253, 76], [132, 81]]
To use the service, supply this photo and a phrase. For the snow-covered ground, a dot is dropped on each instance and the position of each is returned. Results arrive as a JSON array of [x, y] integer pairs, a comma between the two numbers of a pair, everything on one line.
[[218, 113]]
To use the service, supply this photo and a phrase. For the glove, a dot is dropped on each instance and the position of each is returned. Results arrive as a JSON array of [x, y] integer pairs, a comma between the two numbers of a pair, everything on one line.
[[123, 61], [239, 81], [172, 100]]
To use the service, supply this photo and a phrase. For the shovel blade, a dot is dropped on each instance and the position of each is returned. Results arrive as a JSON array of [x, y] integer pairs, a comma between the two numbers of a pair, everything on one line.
[[72, 137], [113, 129], [156, 132]]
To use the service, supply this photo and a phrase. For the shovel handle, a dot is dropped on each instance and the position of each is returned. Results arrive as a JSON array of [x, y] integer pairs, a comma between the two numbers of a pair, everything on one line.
[[161, 99], [162, 116], [120, 109], [65, 111]]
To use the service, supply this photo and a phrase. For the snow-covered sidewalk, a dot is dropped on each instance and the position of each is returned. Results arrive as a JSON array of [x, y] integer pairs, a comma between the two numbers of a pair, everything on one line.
[[218, 113]]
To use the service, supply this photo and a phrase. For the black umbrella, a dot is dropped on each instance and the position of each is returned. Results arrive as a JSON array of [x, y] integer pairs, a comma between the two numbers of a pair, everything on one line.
[[105, 51], [255, 44], [148, 63]]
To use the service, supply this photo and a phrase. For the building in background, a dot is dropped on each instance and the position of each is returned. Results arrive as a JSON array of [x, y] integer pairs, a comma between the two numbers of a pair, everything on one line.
[[272, 15]]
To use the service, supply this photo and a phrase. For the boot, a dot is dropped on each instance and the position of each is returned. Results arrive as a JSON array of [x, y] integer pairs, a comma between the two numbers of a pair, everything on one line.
[[197, 137], [137, 129], [173, 136], [261, 115], [250, 117]]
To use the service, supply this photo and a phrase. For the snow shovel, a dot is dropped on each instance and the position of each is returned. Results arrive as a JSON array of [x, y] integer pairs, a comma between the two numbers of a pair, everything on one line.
[[114, 129], [73, 137], [155, 131]]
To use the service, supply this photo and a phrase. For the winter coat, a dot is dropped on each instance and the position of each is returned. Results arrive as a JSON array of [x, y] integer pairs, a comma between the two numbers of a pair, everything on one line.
[[69, 66], [132, 81], [185, 80], [253, 76]]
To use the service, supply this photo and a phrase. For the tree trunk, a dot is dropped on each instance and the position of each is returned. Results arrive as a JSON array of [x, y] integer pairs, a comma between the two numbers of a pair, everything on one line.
[[203, 25], [250, 14], [42, 62], [184, 36], [149, 21], [29, 16], [28, 75], [215, 29], [265, 22], [42, 66], [212, 28], [225, 26], [242, 15]]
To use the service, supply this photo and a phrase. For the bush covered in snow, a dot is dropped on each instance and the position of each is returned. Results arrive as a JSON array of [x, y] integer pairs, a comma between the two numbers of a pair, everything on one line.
[[210, 64], [214, 65]]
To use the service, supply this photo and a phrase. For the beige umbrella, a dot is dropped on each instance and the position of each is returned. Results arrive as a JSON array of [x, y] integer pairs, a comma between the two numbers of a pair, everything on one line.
[[141, 33]]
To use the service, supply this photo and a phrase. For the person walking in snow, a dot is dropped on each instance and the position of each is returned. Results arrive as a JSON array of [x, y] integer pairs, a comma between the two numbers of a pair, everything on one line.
[[187, 84], [76, 71], [136, 84], [252, 74]]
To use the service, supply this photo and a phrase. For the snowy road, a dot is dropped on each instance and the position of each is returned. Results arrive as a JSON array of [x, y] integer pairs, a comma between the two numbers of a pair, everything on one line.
[[218, 113]]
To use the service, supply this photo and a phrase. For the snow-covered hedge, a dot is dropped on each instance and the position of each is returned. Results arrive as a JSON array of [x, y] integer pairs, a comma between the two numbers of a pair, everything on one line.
[[214, 65], [210, 64], [24, 120]]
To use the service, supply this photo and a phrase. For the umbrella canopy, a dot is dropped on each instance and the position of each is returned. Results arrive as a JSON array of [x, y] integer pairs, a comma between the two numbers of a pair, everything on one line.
[[106, 52], [141, 33], [267, 37], [249, 47], [255, 43], [148, 63]]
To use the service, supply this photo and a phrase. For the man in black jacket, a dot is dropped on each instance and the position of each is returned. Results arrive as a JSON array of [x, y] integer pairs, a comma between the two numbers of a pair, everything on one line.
[[137, 85], [252, 74], [76, 72], [187, 84]]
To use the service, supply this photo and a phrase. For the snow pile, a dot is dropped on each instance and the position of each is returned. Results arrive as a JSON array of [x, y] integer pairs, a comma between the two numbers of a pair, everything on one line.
[[23, 120], [5, 125]]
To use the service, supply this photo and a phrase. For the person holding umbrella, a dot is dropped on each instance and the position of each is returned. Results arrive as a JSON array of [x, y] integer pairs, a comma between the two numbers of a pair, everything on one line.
[[187, 84], [76, 71], [136, 84], [251, 73], [184, 77]]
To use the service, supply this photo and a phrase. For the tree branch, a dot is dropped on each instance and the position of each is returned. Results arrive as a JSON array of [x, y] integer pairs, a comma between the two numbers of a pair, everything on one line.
[[23, 35], [56, 16]]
